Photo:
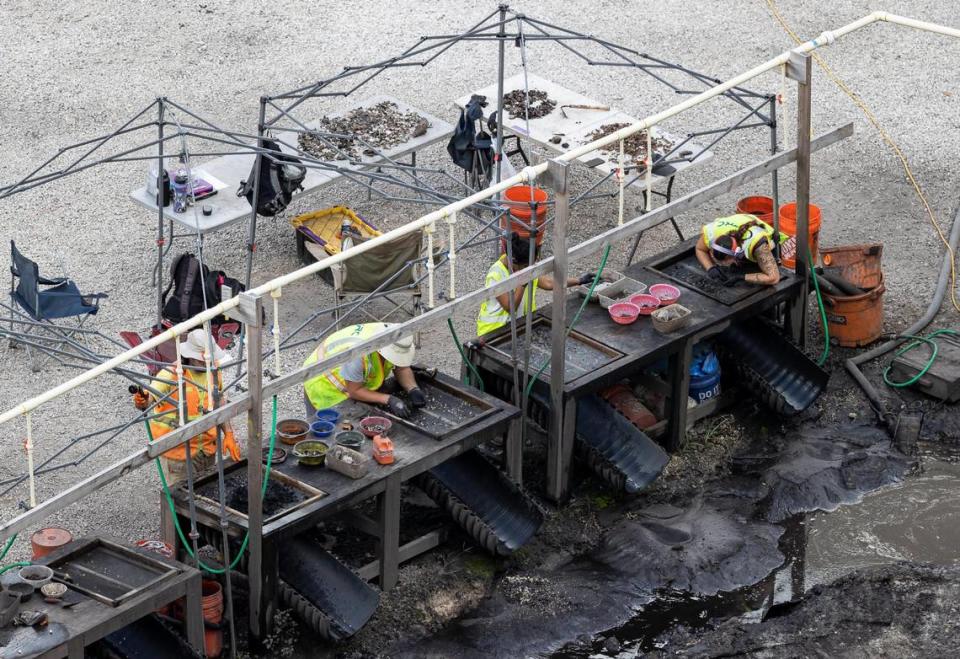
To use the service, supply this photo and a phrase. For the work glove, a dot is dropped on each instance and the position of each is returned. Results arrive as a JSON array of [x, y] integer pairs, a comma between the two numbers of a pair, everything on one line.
[[417, 399], [398, 407], [141, 401], [716, 273], [587, 278], [733, 278]]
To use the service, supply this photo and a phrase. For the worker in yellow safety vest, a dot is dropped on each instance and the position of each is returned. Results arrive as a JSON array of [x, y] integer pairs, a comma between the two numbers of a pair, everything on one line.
[[729, 242], [361, 377], [495, 311], [164, 396]]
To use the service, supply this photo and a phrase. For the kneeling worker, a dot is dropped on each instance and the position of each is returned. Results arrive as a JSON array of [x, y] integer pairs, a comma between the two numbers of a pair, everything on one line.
[[360, 378], [495, 311], [203, 447], [729, 241]]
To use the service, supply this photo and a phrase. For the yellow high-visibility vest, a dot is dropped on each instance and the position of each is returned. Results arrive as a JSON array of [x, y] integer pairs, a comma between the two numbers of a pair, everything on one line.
[[754, 235], [492, 315], [329, 388]]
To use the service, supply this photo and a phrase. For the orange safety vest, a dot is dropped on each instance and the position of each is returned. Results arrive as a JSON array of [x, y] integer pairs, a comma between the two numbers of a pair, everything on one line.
[[168, 418]]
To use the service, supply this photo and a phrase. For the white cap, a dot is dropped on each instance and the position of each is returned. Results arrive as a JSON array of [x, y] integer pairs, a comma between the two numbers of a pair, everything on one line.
[[195, 347]]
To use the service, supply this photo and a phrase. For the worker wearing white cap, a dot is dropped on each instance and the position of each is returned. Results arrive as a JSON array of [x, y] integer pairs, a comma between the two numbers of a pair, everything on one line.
[[195, 353], [361, 377]]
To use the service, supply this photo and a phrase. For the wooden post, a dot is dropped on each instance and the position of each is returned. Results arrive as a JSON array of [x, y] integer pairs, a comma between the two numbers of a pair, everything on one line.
[[261, 598], [560, 440], [802, 65], [388, 513]]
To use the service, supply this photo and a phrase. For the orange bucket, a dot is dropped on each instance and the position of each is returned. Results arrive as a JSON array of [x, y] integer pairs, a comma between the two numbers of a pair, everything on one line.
[[47, 540], [855, 320], [788, 225], [761, 207], [517, 200], [858, 264]]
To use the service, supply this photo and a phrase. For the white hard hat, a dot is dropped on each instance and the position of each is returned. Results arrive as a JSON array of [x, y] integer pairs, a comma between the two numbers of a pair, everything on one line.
[[195, 347], [401, 352]]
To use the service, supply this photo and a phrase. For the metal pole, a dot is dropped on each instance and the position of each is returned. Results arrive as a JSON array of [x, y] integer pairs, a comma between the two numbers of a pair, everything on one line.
[[799, 318], [260, 612], [252, 228], [774, 177], [501, 46], [160, 195], [558, 452]]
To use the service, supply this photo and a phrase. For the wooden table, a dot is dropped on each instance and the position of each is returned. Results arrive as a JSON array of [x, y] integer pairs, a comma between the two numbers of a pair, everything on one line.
[[70, 630], [631, 348], [416, 453]]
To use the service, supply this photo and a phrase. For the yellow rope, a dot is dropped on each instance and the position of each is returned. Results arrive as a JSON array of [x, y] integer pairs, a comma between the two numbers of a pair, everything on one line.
[[871, 117]]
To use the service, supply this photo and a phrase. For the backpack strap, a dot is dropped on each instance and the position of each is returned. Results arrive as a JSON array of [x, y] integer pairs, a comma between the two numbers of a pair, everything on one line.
[[192, 269], [173, 276]]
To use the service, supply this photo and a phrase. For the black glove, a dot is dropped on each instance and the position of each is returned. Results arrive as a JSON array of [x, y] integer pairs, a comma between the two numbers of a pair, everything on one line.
[[398, 407], [587, 278], [733, 278], [417, 399], [716, 273]]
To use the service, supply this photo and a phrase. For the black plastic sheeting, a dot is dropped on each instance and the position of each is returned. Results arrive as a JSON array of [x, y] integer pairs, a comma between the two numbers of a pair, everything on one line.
[[772, 368], [615, 449], [323, 592], [484, 502], [147, 638]]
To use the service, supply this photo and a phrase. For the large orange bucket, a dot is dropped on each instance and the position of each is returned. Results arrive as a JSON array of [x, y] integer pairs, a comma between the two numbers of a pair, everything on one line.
[[856, 320], [858, 264], [517, 200], [761, 207], [49, 539], [788, 225]]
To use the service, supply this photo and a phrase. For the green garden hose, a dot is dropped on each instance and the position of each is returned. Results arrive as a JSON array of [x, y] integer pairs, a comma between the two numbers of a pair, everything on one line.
[[463, 356], [7, 568], [173, 510], [823, 312], [917, 340], [6, 547]]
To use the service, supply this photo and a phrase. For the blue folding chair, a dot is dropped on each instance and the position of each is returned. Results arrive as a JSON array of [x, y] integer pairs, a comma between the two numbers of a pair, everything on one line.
[[38, 308]]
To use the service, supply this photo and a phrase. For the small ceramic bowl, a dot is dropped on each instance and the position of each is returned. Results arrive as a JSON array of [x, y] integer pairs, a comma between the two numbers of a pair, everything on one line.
[[35, 575], [375, 425], [310, 452]]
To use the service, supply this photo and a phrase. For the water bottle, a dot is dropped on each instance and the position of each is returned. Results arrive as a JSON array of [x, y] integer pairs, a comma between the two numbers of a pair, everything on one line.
[[180, 191]]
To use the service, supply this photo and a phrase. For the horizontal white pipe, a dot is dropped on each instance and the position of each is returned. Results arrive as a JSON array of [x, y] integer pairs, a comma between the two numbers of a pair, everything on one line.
[[527, 175]]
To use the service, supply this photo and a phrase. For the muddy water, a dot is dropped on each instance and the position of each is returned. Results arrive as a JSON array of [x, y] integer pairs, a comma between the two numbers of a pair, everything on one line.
[[917, 520]]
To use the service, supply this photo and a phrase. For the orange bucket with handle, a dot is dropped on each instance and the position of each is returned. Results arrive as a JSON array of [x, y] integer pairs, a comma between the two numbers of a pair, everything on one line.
[[788, 225], [517, 200], [760, 207]]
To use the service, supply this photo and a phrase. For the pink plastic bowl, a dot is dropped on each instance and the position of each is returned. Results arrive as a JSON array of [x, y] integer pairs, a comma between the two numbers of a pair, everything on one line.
[[646, 303], [623, 313], [667, 293]]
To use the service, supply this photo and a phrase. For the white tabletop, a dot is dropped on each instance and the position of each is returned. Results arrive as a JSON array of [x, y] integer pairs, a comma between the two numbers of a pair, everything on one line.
[[576, 126], [226, 172]]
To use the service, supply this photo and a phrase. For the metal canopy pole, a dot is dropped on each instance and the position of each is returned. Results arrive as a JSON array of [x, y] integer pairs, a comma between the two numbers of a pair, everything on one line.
[[501, 45], [774, 177], [560, 436], [800, 68], [252, 228], [160, 195]]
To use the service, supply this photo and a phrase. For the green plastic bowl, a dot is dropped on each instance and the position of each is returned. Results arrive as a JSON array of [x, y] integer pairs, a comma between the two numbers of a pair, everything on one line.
[[310, 452]]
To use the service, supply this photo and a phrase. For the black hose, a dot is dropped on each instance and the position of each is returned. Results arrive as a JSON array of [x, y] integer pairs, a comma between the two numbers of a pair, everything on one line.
[[853, 364]]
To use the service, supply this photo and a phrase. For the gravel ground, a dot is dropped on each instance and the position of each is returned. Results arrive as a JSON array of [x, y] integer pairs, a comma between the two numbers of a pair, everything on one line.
[[74, 70]]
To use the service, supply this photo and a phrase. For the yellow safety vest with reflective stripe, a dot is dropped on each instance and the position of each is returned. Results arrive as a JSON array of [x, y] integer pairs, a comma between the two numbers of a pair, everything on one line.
[[492, 315], [329, 388], [725, 225]]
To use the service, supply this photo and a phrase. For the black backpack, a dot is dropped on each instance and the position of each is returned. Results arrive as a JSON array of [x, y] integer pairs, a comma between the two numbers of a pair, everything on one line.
[[278, 180], [187, 299]]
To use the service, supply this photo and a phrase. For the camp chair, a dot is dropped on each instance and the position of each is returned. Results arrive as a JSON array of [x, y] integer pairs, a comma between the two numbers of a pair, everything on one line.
[[156, 359], [37, 308], [390, 272]]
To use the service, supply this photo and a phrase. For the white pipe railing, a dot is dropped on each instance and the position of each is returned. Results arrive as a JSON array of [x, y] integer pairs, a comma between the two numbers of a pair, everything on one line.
[[528, 175]]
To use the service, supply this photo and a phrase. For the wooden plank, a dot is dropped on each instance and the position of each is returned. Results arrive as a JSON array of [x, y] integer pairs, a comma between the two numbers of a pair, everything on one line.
[[388, 511], [557, 476], [801, 265]]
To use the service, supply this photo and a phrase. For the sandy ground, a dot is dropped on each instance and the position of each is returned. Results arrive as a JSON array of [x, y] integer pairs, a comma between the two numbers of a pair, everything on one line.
[[74, 70]]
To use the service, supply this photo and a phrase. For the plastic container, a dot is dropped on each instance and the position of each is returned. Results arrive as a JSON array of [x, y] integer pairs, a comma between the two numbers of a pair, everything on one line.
[[760, 207], [704, 376], [211, 602], [348, 462], [291, 431], [788, 225], [623, 313], [670, 318], [666, 293], [49, 539], [375, 425], [855, 320], [858, 264], [517, 201], [322, 428], [180, 193], [382, 450], [328, 414], [645, 302]]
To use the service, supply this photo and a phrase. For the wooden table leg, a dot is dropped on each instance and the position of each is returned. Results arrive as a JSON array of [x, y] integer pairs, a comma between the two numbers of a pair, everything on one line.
[[560, 451], [513, 451], [75, 647], [167, 531], [388, 513], [679, 364], [194, 613]]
